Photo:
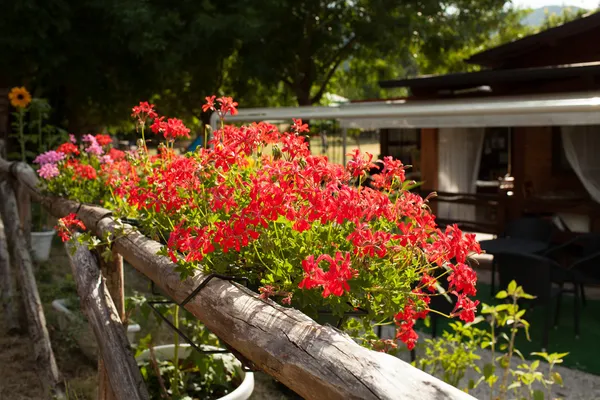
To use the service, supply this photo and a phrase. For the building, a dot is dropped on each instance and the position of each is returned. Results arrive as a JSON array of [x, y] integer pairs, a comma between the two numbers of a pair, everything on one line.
[[552, 165]]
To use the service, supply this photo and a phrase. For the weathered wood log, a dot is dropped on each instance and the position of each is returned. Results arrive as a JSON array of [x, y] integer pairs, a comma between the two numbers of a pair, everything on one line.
[[19, 252], [7, 287], [112, 271], [123, 373], [317, 362], [24, 208]]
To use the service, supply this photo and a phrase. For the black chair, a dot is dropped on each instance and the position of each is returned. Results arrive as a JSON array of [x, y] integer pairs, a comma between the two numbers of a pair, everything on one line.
[[538, 276], [580, 255], [531, 228]]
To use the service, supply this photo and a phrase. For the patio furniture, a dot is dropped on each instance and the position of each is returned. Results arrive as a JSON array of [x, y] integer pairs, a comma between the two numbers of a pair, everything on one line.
[[528, 235], [581, 256], [540, 277]]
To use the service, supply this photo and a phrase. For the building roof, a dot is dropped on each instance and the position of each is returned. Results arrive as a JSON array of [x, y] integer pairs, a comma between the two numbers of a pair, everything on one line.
[[532, 110], [490, 78], [497, 56]]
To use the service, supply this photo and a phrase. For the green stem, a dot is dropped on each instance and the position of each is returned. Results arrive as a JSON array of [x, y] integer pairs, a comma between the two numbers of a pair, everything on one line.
[[493, 348], [175, 380], [144, 138], [21, 134], [511, 345]]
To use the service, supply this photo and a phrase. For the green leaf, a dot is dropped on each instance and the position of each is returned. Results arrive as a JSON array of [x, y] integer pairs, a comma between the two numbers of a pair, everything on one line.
[[557, 378], [488, 370], [502, 294], [534, 365], [518, 352], [538, 395], [514, 385], [527, 296], [512, 286]]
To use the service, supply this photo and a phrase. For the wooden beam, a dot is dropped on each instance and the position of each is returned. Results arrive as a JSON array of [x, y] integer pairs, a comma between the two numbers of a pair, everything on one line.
[[24, 206], [8, 298], [119, 364], [112, 271], [317, 362], [47, 368]]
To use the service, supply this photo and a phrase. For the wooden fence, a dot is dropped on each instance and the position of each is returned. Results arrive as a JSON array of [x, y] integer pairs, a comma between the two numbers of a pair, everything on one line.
[[317, 362]]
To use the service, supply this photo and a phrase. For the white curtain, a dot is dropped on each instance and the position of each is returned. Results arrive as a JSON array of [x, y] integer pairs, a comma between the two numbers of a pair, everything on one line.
[[459, 155], [582, 148]]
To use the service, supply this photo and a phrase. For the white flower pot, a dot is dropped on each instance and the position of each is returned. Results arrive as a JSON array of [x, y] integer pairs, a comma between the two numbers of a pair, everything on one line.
[[81, 330], [41, 243], [167, 351]]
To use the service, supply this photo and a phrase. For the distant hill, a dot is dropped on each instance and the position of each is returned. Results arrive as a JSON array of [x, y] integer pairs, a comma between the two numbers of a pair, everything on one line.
[[536, 18]]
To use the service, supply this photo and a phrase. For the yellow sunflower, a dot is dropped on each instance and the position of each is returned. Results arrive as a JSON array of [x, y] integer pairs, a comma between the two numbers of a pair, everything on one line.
[[19, 97]]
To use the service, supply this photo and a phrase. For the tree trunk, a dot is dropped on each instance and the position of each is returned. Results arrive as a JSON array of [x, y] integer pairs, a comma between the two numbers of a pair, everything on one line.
[[119, 364], [48, 370]]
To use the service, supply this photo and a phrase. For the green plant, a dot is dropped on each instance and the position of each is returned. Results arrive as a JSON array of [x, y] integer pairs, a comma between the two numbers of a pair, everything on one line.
[[34, 136], [451, 356], [198, 375], [256, 203]]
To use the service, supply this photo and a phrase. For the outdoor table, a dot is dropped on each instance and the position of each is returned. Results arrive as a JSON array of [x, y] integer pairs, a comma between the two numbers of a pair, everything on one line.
[[513, 245], [510, 245]]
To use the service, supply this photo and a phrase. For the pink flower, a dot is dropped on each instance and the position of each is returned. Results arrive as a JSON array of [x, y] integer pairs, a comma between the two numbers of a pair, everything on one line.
[[94, 147], [106, 159], [49, 157], [72, 138], [48, 171]]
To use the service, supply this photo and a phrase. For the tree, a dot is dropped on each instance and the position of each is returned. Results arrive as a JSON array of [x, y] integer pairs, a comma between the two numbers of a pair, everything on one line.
[[303, 43], [97, 58]]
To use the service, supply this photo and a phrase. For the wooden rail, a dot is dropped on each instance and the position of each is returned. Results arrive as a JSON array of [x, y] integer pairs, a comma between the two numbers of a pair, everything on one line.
[[317, 362], [125, 379]]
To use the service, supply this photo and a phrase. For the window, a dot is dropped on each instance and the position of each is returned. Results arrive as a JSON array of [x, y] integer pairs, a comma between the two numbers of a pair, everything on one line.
[[495, 154], [560, 164]]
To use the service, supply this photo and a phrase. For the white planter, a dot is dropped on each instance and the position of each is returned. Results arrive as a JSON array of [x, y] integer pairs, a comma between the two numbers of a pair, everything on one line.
[[167, 351], [41, 243], [81, 330]]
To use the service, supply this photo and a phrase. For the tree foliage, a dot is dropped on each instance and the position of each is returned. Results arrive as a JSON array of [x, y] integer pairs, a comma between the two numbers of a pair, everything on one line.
[[305, 42], [94, 57]]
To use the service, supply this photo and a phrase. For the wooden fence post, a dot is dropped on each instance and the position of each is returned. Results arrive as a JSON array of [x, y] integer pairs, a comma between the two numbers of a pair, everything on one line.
[[123, 373], [112, 271], [38, 332], [7, 287], [24, 207]]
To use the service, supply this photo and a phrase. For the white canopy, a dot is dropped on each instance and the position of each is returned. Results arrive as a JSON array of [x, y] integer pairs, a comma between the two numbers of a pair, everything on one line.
[[535, 110]]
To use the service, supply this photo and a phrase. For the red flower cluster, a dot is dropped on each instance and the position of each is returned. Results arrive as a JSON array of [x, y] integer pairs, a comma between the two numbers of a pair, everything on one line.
[[143, 111], [335, 280], [103, 140], [68, 148], [226, 106], [66, 226], [172, 129], [232, 205], [84, 171]]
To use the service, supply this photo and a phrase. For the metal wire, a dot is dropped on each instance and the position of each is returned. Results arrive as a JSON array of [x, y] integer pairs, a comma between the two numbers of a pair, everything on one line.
[[152, 304]]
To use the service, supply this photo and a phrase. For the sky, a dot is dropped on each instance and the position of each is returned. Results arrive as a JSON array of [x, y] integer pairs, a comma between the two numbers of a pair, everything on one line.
[[542, 3]]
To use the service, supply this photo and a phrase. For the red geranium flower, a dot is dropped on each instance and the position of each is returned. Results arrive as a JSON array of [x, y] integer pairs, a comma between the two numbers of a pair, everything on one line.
[[66, 226], [103, 140], [68, 148]]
